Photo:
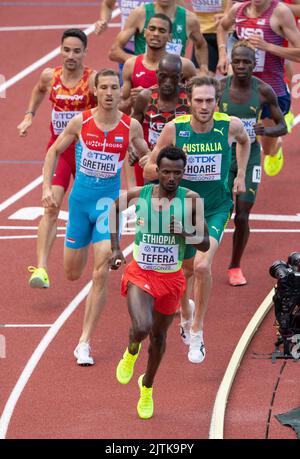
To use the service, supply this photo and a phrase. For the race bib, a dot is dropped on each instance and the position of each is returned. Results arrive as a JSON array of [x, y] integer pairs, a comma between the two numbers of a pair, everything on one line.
[[173, 48], [260, 57], [60, 120], [249, 126], [203, 168], [256, 174], [153, 137], [99, 164], [207, 6], [154, 256]]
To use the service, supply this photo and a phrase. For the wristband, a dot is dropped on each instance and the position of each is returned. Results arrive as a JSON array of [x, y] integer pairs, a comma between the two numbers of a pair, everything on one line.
[[31, 112], [222, 46]]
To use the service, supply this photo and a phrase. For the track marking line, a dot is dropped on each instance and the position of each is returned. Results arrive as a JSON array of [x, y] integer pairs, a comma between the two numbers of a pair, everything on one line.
[[63, 228], [216, 430], [25, 325], [15, 197], [48, 57], [27, 236], [54, 27], [39, 351]]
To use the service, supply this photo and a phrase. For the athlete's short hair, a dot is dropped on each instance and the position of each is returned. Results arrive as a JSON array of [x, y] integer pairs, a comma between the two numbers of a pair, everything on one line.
[[106, 72], [164, 17], [171, 152], [75, 33], [196, 82], [244, 44]]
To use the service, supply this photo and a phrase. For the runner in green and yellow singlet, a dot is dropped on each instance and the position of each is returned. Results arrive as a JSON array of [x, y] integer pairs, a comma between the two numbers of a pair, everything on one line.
[[168, 217], [185, 27], [243, 96], [206, 137]]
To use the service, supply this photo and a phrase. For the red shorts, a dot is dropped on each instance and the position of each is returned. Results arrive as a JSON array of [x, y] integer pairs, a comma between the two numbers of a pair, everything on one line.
[[66, 165], [166, 288]]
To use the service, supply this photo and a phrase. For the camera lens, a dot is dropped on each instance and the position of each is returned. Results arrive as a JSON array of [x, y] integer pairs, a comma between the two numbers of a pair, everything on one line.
[[294, 260], [279, 269]]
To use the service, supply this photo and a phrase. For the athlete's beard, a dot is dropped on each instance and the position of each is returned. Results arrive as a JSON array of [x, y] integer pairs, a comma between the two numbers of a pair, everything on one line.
[[195, 115]]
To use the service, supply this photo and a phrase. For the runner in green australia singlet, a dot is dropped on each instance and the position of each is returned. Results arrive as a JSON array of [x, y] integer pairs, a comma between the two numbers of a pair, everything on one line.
[[208, 162], [206, 137], [154, 247], [179, 36]]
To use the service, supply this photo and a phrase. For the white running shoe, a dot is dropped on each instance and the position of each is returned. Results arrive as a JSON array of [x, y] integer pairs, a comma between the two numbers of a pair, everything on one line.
[[185, 325], [82, 354], [197, 349]]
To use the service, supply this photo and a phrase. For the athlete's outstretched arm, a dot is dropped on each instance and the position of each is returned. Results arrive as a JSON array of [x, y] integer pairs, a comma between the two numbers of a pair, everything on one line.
[[269, 98], [167, 137], [106, 10], [63, 141], [223, 27], [238, 133], [134, 20], [200, 44], [119, 205], [290, 32], [37, 95], [140, 105]]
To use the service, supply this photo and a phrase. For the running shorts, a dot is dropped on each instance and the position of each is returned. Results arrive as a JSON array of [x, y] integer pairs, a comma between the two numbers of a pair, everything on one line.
[[166, 288]]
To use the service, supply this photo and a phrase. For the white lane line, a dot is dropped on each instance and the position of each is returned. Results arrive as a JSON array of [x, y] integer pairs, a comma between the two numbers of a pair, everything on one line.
[[132, 232], [216, 430], [296, 120], [54, 27], [267, 230], [27, 236], [31, 68], [25, 325], [21, 193], [38, 353], [26, 228]]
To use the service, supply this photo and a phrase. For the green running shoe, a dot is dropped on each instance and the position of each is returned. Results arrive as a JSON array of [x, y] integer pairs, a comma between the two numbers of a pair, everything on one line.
[[145, 406], [125, 367], [39, 278], [274, 164], [289, 119]]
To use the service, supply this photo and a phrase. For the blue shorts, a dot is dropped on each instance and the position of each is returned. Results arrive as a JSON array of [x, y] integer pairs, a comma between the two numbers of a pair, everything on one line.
[[284, 103], [89, 215]]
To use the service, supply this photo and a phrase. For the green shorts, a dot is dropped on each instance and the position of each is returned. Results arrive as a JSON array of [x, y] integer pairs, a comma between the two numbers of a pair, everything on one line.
[[216, 225], [253, 173]]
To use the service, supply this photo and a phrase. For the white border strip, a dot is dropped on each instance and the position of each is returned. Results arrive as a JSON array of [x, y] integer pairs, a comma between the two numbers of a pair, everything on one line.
[[21, 193], [19, 76], [53, 27], [216, 430], [38, 353], [25, 325]]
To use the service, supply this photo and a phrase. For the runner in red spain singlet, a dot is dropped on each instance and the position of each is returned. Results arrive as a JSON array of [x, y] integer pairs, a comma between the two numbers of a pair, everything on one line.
[[66, 103], [71, 89]]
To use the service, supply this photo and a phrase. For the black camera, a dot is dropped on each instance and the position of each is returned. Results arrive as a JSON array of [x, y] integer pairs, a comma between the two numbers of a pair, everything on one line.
[[287, 299]]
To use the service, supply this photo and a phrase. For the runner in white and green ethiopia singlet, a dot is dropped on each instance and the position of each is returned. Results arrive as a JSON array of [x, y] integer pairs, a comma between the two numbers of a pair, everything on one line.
[[179, 37], [154, 247]]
